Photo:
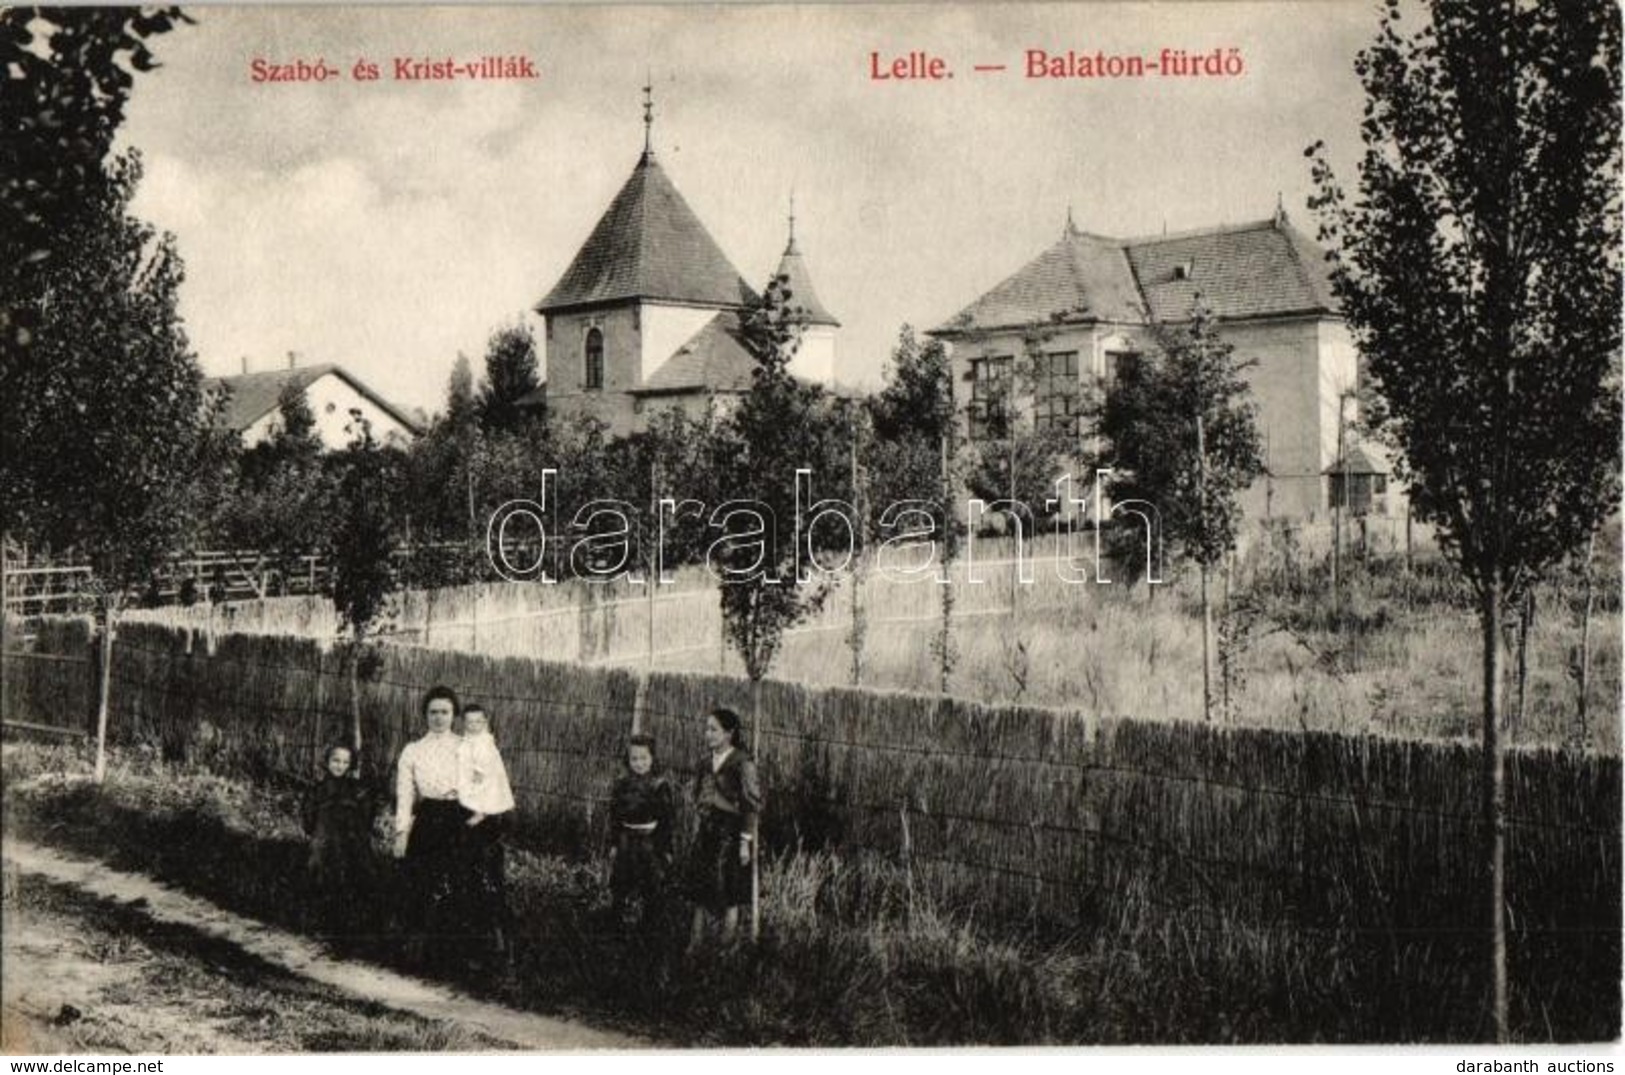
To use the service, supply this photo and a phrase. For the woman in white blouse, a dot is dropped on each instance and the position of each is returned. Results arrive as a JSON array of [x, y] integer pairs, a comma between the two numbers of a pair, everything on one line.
[[430, 829], [483, 790]]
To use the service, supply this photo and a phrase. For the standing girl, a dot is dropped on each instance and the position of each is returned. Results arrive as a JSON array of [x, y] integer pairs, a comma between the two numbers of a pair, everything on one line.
[[727, 798], [337, 817], [641, 810], [483, 790]]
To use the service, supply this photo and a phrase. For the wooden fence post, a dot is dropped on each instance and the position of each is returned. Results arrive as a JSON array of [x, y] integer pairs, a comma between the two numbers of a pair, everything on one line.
[[5, 614], [103, 693], [756, 819], [1093, 858], [355, 700], [649, 639], [908, 861], [1038, 871]]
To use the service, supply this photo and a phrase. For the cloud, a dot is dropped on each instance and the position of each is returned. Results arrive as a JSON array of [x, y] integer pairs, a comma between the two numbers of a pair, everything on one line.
[[390, 225]]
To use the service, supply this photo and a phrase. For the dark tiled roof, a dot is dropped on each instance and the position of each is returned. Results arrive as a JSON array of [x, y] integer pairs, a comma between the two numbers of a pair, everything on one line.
[[254, 395], [1253, 270], [649, 245], [1363, 459], [794, 267], [714, 359], [1263, 269], [1081, 277]]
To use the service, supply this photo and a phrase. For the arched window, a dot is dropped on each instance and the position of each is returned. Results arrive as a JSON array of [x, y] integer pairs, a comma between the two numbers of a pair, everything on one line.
[[595, 359]]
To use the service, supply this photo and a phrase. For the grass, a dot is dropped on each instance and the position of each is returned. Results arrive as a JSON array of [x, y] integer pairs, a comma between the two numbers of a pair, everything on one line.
[[141, 987], [1398, 655], [846, 957]]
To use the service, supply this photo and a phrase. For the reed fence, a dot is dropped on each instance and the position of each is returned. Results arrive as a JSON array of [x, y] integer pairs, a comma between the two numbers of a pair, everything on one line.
[[1035, 814]]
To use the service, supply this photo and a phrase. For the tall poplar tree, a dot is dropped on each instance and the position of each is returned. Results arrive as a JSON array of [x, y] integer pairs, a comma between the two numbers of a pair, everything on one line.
[[107, 444], [781, 424], [1478, 265], [101, 406]]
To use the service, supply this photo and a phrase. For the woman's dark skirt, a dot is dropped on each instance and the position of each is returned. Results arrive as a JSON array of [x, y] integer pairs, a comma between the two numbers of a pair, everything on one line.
[[717, 879], [436, 872]]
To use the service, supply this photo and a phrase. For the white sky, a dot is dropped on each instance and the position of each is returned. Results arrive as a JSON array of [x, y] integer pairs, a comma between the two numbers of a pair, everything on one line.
[[390, 225]]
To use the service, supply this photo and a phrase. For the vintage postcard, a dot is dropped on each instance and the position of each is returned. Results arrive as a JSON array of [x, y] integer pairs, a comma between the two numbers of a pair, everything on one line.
[[802, 525]]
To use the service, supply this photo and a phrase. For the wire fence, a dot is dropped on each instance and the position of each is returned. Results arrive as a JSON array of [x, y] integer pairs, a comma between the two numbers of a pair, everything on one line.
[[621, 622], [1013, 811]]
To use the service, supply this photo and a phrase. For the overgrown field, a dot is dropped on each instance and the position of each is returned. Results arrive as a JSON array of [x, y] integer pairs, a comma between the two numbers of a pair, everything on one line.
[[1399, 655], [848, 957]]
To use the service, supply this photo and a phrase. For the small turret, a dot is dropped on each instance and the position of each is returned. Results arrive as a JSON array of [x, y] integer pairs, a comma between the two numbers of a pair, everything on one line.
[[793, 267], [814, 359]]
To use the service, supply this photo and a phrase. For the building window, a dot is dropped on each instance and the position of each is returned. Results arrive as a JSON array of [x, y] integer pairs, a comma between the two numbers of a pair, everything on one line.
[[595, 359], [1116, 365], [1058, 405], [990, 402]]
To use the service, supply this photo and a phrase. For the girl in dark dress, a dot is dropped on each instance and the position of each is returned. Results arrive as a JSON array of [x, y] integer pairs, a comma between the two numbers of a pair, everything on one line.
[[337, 816], [641, 809], [727, 798]]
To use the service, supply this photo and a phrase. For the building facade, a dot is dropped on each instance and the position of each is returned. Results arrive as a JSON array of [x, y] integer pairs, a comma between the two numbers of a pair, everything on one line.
[[647, 316], [1088, 304], [332, 393]]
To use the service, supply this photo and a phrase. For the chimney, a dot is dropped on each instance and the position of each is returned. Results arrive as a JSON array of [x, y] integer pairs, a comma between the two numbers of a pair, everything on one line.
[[245, 364], [293, 359]]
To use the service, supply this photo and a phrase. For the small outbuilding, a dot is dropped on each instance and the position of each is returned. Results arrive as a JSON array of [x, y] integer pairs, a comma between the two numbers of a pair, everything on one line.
[[1360, 482], [332, 393]]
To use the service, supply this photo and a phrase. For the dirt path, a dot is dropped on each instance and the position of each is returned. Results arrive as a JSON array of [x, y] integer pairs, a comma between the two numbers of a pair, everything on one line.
[[82, 976], [62, 996], [297, 955]]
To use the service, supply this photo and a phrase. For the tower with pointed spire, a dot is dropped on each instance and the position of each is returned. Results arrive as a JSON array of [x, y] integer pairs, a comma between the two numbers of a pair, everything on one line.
[[814, 359], [647, 314]]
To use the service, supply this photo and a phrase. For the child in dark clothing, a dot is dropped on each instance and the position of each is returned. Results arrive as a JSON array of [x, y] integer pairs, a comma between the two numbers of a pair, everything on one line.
[[640, 820], [337, 817]]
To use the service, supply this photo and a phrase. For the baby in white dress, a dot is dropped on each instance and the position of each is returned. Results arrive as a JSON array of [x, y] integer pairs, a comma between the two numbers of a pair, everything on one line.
[[482, 779]]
